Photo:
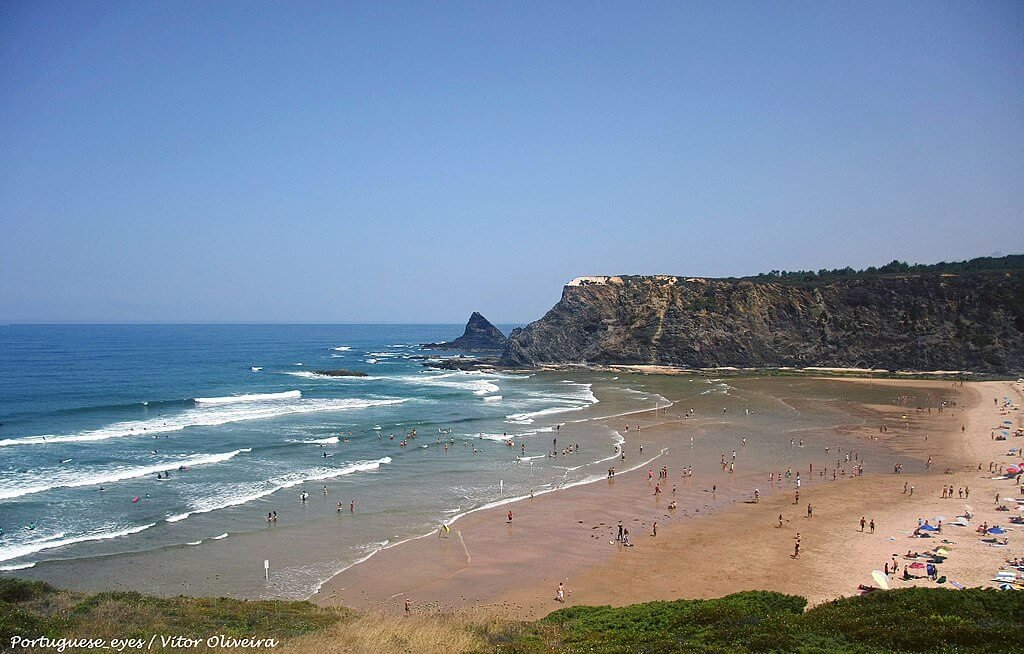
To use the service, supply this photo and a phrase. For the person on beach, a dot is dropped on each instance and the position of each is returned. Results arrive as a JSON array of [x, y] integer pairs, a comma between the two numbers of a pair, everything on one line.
[[655, 529], [872, 525], [862, 523], [619, 537], [780, 521], [352, 506], [560, 593], [810, 510], [510, 516], [408, 607]]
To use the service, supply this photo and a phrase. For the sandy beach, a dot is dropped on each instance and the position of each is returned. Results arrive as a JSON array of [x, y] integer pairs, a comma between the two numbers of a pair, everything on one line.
[[721, 542]]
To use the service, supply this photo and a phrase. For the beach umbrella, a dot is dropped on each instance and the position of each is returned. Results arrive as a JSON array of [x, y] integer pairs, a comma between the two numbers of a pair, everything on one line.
[[997, 530], [880, 579], [928, 528]]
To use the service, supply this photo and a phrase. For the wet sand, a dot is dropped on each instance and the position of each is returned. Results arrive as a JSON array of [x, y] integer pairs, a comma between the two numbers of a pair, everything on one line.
[[718, 543]]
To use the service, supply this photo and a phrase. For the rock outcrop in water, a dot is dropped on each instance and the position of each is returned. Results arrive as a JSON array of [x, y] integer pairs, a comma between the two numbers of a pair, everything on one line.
[[340, 372], [480, 336], [924, 322]]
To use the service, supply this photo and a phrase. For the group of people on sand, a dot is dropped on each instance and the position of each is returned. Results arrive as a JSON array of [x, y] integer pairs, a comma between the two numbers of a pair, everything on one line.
[[623, 535]]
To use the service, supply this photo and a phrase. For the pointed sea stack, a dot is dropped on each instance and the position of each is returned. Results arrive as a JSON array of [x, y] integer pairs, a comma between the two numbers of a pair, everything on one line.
[[480, 336]]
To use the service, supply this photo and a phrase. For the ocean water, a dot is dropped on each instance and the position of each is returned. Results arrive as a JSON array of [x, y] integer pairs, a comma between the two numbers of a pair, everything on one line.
[[93, 417]]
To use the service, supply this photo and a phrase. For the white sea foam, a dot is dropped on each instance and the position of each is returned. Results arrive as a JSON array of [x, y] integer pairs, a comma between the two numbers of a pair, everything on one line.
[[250, 493], [718, 388], [500, 438], [50, 479], [12, 552], [252, 397], [205, 416], [476, 383], [221, 537], [492, 398], [318, 441], [528, 418], [16, 566], [342, 348]]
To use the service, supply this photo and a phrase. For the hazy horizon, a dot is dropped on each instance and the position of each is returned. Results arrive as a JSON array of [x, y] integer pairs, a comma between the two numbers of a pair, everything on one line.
[[248, 163]]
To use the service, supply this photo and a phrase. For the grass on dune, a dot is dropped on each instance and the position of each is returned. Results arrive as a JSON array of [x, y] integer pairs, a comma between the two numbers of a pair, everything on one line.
[[906, 620]]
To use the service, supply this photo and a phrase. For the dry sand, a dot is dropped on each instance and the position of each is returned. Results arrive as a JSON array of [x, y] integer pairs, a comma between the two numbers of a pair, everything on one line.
[[717, 544]]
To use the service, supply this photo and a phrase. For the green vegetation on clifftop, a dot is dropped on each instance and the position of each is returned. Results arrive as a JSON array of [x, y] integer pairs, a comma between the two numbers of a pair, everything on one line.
[[907, 620]]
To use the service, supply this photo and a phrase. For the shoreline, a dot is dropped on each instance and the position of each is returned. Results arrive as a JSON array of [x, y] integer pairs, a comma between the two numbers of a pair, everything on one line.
[[828, 372], [492, 505], [435, 575], [569, 536]]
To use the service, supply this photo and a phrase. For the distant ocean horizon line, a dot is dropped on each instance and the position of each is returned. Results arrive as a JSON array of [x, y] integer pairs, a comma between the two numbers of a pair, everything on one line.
[[87, 323]]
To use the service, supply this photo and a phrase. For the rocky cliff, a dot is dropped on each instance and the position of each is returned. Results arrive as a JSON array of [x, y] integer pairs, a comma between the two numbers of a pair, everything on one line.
[[931, 321], [480, 336]]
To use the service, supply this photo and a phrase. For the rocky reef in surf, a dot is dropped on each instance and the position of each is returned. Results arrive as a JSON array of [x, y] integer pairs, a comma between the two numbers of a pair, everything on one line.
[[479, 336], [966, 316], [340, 372]]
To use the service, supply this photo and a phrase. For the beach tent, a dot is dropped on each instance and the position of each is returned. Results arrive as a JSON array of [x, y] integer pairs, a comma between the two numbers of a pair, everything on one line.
[[996, 530], [880, 579], [928, 528]]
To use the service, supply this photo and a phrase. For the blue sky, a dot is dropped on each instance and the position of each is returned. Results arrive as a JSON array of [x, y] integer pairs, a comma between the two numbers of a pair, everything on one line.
[[413, 162]]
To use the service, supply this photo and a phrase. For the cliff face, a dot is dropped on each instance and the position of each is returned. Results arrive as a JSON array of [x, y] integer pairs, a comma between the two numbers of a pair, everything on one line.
[[897, 322], [480, 336]]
